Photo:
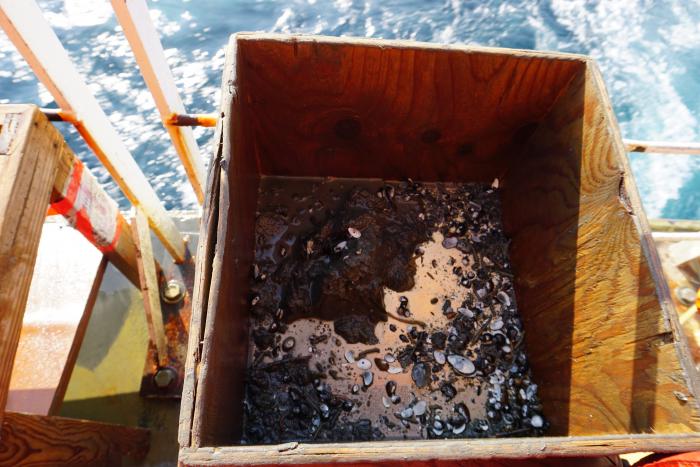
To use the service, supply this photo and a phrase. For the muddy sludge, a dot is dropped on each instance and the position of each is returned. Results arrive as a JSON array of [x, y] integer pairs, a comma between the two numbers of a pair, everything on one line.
[[384, 310]]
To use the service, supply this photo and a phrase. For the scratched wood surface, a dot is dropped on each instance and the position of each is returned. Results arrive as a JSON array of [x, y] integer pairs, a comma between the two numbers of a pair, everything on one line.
[[602, 345], [27, 172], [31, 440]]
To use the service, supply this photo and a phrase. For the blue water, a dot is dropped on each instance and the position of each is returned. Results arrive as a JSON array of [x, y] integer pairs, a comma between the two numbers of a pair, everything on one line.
[[648, 51]]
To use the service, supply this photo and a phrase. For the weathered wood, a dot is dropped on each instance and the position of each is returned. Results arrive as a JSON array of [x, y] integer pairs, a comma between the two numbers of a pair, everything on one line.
[[391, 452], [27, 172], [598, 334], [123, 255], [607, 354], [149, 284], [230, 268], [37, 440], [205, 256]]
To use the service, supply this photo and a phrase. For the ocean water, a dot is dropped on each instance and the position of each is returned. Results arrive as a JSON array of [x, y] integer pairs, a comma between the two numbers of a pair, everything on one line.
[[648, 51]]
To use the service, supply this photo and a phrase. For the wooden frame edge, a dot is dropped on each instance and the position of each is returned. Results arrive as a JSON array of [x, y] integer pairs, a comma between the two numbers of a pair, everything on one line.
[[423, 450]]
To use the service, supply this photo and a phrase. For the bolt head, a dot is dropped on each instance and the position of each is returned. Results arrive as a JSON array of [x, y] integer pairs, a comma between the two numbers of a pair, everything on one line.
[[164, 377], [173, 291], [686, 295]]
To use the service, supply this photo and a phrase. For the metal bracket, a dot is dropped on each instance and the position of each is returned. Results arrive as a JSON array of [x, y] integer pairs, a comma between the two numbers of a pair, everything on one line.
[[166, 381]]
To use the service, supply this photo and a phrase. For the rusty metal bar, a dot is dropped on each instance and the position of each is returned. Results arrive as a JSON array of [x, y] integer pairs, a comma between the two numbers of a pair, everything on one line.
[[205, 120], [665, 147], [145, 43], [34, 38]]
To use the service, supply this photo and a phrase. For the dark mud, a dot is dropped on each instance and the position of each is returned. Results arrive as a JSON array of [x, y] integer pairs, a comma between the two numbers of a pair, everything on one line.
[[451, 362], [335, 263]]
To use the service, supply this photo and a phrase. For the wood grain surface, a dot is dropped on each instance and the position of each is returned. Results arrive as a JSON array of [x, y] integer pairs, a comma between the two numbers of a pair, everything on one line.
[[225, 343], [437, 452], [323, 107], [27, 174], [600, 343], [35, 440]]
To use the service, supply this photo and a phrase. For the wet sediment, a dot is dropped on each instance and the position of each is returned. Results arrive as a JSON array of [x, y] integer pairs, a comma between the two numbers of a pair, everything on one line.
[[384, 310]]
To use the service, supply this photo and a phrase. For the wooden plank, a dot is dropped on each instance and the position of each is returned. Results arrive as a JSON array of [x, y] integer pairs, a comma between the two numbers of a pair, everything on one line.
[[149, 285], [224, 348], [600, 338], [205, 255], [436, 451], [320, 106], [65, 283], [136, 22], [27, 173], [37, 440], [96, 201], [29, 31]]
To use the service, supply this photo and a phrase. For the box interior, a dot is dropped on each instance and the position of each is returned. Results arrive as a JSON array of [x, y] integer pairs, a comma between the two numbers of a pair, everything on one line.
[[595, 309]]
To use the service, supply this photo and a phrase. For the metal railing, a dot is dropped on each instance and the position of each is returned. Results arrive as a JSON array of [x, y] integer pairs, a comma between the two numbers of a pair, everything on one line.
[[32, 35]]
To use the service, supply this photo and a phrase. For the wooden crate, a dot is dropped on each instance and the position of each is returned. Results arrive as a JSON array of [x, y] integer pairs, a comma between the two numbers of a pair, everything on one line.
[[604, 341]]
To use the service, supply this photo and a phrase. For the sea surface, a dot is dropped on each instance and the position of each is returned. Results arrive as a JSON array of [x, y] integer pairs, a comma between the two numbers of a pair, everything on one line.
[[648, 51]]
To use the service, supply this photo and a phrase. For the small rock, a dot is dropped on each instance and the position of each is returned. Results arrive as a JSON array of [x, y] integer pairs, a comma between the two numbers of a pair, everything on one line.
[[389, 358], [449, 242], [355, 388], [461, 364], [354, 233], [419, 408], [367, 378], [288, 344], [406, 413], [448, 391], [395, 370], [364, 364], [350, 356], [496, 324], [536, 421], [680, 396], [503, 298], [439, 357], [390, 388], [381, 364], [420, 374], [459, 429], [466, 312]]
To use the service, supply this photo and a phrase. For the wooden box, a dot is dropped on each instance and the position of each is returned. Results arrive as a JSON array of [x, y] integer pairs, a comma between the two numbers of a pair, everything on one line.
[[602, 335]]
